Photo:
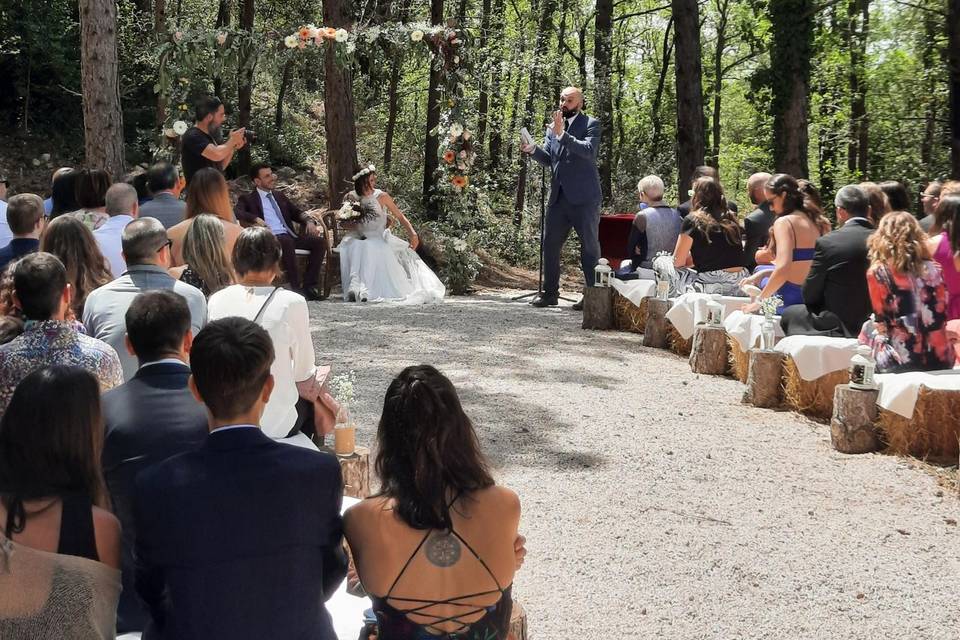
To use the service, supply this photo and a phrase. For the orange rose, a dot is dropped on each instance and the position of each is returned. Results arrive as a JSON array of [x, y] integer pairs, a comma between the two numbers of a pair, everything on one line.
[[329, 33], [459, 181], [304, 33], [449, 156]]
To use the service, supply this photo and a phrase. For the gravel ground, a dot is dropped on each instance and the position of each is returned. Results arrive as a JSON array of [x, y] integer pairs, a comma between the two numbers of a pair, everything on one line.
[[654, 503]]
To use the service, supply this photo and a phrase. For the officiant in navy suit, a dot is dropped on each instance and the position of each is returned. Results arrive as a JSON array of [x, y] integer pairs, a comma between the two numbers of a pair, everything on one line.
[[570, 150]]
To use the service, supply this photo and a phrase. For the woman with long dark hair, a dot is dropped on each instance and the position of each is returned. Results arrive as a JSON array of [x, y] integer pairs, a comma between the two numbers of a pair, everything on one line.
[[72, 242], [52, 500], [63, 193], [435, 548]]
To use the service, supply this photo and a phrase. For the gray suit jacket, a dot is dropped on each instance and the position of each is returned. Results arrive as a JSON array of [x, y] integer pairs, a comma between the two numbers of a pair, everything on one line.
[[105, 308], [572, 159], [165, 208]]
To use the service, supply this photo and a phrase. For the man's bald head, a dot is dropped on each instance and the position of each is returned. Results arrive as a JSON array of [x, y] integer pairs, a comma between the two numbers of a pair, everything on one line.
[[571, 100], [755, 186]]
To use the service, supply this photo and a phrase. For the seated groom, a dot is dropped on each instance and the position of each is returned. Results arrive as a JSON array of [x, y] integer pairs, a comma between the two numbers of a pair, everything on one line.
[[241, 538], [268, 208]]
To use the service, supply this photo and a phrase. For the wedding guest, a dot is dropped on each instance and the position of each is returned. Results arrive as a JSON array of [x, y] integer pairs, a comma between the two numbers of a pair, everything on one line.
[[897, 196], [756, 226], [91, 193], [147, 251], [434, 549], [206, 266], [63, 193], [711, 241], [835, 297], [201, 143], [148, 419], [6, 235], [122, 208], [264, 206], [908, 299], [879, 204], [68, 239], [165, 184], [25, 217], [266, 509], [285, 317], [208, 193], [702, 172], [43, 294], [929, 200], [655, 228], [52, 501], [48, 203], [945, 249]]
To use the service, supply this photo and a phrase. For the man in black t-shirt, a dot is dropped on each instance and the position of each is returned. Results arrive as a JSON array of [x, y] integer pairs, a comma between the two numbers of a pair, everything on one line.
[[200, 144]]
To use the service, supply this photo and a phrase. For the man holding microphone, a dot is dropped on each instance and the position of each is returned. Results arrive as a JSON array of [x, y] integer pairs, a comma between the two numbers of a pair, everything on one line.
[[570, 150]]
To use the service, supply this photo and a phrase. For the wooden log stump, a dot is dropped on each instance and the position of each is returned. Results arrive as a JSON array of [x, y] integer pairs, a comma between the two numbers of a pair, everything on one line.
[[598, 308], [657, 326], [709, 351], [764, 376], [518, 623], [854, 414], [356, 473]]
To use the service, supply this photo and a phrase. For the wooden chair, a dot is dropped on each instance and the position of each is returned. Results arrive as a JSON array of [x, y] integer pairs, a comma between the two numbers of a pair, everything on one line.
[[334, 234]]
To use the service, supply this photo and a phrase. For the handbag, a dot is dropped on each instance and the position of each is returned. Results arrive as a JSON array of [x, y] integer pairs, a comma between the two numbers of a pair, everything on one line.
[[314, 389]]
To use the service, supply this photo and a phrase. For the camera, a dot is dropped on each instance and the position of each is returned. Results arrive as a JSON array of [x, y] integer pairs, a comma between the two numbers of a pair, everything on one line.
[[250, 136]]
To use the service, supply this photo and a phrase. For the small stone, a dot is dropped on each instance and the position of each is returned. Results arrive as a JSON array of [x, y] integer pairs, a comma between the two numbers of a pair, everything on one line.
[[809, 513], [903, 532], [643, 611], [951, 521], [669, 453], [709, 457], [860, 596], [939, 494]]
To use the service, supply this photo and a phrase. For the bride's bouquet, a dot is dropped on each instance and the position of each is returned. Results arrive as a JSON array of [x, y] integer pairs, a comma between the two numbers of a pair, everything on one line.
[[353, 211]]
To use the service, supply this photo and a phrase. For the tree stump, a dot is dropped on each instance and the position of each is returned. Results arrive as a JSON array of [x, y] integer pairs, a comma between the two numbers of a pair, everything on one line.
[[598, 308], [764, 375], [518, 623], [356, 473], [656, 330], [852, 427], [709, 351]]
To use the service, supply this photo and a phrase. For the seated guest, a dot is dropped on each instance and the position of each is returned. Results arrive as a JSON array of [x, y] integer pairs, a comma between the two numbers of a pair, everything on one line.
[[435, 548], [147, 252], [909, 300], [271, 209], [655, 228], [165, 184], [700, 172], [41, 290], [945, 249], [139, 181], [63, 193], [711, 241], [48, 203], [756, 226], [68, 239], [879, 204], [799, 224], [835, 297], [929, 200], [122, 208], [208, 193], [206, 266], [25, 217], [270, 553], [148, 419], [897, 196], [52, 501], [91, 193], [284, 315]]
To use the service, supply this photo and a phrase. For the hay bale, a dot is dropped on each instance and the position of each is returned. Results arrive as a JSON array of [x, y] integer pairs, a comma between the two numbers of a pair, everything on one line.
[[933, 433], [678, 344], [813, 398], [628, 316], [739, 360]]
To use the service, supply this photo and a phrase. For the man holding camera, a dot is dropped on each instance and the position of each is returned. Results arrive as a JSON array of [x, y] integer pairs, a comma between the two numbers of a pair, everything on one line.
[[200, 144]]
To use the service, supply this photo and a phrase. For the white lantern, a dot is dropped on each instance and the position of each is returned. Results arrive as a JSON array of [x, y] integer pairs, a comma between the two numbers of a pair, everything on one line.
[[714, 311], [602, 272], [862, 369]]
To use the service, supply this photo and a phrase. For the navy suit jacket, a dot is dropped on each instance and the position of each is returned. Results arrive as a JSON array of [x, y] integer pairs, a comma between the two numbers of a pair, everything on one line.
[[249, 209], [17, 248], [572, 159], [148, 419], [240, 539]]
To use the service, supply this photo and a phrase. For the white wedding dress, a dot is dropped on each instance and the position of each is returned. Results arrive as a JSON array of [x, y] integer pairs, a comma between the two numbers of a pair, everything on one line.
[[377, 266]]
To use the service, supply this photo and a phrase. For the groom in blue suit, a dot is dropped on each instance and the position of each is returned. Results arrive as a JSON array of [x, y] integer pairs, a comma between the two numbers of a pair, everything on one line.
[[570, 150]]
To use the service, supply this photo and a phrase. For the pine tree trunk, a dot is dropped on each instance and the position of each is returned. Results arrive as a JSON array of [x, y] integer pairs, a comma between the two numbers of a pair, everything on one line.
[[720, 45], [485, 63], [282, 94], [102, 116], [247, 62], [602, 62], [495, 113], [339, 121], [655, 118], [690, 134], [928, 59], [393, 110], [792, 22], [431, 148], [159, 22], [223, 20], [857, 144]]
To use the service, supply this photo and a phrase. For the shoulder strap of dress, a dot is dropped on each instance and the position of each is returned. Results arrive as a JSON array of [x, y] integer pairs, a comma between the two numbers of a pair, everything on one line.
[[256, 318]]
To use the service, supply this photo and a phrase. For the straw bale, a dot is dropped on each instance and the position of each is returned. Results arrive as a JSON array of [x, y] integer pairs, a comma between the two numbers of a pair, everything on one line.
[[932, 433], [739, 360], [678, 344], [628, 316], [813, 398]]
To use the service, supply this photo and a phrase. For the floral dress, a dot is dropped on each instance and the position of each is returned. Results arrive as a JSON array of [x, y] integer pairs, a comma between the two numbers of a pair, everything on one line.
[[910, 317]]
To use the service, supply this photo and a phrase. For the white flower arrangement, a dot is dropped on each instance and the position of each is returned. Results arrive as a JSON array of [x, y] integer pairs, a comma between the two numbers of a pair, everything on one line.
[[349, 210], [769, 306], [341, 35], [180, 127], [342, 387], [291, 42]]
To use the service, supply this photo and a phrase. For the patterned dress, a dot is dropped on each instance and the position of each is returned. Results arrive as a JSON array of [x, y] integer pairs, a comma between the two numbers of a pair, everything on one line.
[[53, 342], [910, 317]]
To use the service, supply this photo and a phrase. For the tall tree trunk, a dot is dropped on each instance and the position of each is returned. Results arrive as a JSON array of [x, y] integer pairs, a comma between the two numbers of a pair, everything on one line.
[[953, 62], [393, 96], [792, 22], [485, 61], [655, 118], [495, 113], [102, 117], [431, 149], [858, 16], [928, 59], [554, 87], [602, 62], [159, 25], [721, 44], [339, 122], [690, 141], [282, 93], [247, 62], [223, 20], [582, 60], [617, 142]]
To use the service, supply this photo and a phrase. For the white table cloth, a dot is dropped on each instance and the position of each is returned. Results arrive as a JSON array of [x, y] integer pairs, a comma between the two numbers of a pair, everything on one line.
[[634, 290], [745, 328], [690, 309], [899, 391], [816, 356]]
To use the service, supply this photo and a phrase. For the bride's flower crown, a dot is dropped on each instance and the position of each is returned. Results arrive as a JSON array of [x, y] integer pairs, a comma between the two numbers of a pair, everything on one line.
[[364, 172]]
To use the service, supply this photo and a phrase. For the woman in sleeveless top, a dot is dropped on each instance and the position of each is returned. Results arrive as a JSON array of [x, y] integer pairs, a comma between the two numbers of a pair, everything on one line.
[[207, 193], [207, 266], [945, 249], [799, 224], [50, 441], [434, 549]]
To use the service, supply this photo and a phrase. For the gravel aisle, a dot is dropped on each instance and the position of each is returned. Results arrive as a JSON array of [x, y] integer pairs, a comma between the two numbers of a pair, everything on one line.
[[655, 504]]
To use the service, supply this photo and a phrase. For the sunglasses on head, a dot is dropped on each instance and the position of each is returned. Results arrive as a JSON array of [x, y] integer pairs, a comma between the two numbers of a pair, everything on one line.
[[165, 245]]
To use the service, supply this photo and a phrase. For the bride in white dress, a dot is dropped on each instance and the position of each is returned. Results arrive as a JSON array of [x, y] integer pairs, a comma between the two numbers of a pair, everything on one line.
[[376, 265]]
